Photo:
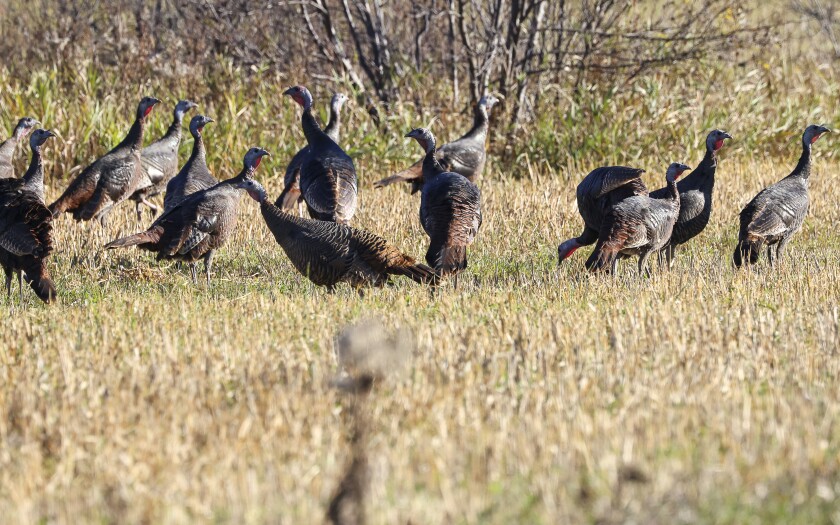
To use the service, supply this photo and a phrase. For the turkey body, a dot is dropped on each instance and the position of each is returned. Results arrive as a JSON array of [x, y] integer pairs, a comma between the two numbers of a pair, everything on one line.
[[328, 182], [450, 210], [200, 224], [637, 226], [194, 176], [696, 194], [599, 192], [328, 253], [465, 156], [26, 226], [26, 241], [450, 213], [773, 216], [291, 194], [110, 179], [159, 160]]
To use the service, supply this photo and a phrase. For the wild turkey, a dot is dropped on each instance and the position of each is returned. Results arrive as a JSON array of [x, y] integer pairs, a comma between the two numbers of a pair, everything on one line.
[[328, 253], [597, 194], [159, 160], [200, 224], [110, 179], [33, 180], [327, 174], [638, 225], [7, 147], [194, 175], [465, 155], [778, 211], [695, 196], [290, 196], [26, 226], [450, 210]]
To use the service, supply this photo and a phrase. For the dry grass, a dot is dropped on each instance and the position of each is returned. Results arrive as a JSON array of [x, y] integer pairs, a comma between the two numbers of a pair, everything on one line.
[[535, 394]]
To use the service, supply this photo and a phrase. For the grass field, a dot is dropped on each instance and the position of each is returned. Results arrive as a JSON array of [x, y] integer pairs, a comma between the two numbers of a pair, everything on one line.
[[533, 393]]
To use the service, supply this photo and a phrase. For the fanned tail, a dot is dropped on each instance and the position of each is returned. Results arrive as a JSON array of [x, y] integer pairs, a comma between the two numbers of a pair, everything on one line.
[[150, 236]]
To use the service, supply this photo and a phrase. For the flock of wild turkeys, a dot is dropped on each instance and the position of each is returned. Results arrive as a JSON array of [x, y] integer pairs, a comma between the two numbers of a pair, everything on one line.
[[621, 217]]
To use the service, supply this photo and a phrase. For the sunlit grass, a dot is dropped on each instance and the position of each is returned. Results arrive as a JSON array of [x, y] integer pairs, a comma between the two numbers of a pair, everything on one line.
[[535, 394]]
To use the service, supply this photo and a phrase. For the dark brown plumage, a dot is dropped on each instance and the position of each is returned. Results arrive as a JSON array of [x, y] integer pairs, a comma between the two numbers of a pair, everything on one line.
[[327, 175], [8, 146], [778, 211], [465, 156], [328, 253], [110, 179], [26, 226], [638, 225], [597, 194], [159, 161], [450, 210], [200, 224], [291, 196]]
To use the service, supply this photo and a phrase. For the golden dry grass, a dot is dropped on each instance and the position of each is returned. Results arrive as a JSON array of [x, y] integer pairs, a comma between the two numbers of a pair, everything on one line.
[[534, 394]]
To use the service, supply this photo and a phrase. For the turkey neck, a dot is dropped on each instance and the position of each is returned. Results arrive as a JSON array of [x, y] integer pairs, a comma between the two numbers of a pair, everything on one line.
[[311, 130], [8, 146], [704, 175], [431, 165], [246, 172], [134, 139], [708, 164], [198, 151], [480, 119], [33, 179], [803, 167], [334, 125], [282, 222], [673, 192], [174, 130]]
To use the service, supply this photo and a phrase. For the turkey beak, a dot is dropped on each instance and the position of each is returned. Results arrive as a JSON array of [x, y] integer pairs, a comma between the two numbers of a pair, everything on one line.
[[209, 120], [289, 92], [50, 133], [726, 135]]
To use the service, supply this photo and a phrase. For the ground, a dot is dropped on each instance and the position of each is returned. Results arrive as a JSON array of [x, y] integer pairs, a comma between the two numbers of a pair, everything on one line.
[[534, 394]]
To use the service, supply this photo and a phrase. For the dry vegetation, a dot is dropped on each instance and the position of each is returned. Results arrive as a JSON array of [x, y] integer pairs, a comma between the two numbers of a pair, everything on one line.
[[534, 394]]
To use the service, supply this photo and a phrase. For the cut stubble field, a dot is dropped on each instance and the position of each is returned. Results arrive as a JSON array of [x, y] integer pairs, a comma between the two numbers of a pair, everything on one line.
[[535, 393]]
